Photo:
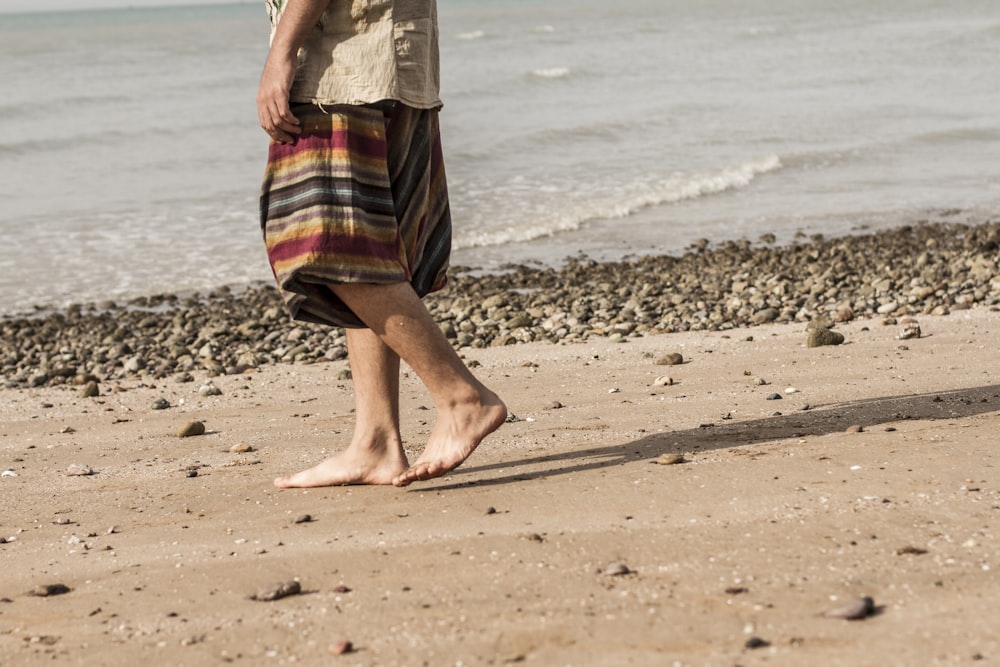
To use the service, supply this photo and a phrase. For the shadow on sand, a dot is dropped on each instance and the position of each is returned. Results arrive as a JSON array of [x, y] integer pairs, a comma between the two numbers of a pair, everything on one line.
[[821, 420]]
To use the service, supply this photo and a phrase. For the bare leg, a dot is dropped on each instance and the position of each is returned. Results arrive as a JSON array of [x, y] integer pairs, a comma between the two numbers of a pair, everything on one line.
[[375, 455], [466, 410]]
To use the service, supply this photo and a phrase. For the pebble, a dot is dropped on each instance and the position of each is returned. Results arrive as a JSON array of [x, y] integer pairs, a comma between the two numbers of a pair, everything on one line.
[[821, 336], [90, 390], [8, 473], [554, 405], [856, 428], [910, 330], [663, 381], [79, 469], [670, 459], [853, 611], [191, 473], [209, 390], [756, 642], [190, 429], [774, 397], [617, 569], [161, 404], [304, 518], [341, 648], [277, 591], [240, 448], [672, 359], [48, 590]]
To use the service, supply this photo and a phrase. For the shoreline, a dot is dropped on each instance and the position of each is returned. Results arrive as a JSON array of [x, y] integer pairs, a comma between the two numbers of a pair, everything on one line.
[[929, 269]]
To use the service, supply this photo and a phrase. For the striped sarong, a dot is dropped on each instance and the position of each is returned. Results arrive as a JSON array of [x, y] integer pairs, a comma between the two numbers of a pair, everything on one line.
[[360, 197]]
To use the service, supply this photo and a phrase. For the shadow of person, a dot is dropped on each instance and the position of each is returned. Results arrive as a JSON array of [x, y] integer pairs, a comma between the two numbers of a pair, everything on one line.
[[819, 420]]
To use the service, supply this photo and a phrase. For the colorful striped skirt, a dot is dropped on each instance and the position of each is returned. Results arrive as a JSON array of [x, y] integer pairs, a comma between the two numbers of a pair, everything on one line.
[[360, 197]]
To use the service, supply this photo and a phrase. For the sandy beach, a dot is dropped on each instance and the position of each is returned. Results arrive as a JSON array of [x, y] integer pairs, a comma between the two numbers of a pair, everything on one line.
[[571, 537]]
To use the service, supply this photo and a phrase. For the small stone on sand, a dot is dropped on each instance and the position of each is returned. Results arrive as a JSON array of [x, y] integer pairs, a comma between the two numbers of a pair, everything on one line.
[[820, 336], [277, 591], [48, 590], [341, 648], [616, 569], [853, 611], [79, 469], [191, 429], [672, 359], [670, 459]]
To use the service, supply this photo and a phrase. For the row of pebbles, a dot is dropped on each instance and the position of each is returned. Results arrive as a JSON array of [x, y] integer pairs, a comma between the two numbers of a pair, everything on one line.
[[924, 269]]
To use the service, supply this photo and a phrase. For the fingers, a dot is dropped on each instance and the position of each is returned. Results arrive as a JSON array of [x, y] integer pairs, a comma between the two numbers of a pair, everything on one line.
[[277, 119]]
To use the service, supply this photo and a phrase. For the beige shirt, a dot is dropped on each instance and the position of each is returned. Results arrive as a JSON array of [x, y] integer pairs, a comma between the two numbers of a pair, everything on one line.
[[364, 51]]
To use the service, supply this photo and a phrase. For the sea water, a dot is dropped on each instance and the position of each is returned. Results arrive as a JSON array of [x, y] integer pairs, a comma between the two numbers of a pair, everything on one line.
[[131, 156]]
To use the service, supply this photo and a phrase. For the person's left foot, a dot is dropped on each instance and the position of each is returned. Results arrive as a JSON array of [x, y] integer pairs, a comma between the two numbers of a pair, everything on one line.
[[456, 435]]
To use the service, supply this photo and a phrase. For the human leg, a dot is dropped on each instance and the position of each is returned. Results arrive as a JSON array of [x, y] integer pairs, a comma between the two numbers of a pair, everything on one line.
[[375, 454], [467, 411]]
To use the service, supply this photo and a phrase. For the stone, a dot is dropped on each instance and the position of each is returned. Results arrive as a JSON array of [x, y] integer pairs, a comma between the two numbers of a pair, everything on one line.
[[79, 470], [190, 429], [855, 610], [672, 359], [277, 591], [910, 330], [90, 390], [820, 336], [764, 316]]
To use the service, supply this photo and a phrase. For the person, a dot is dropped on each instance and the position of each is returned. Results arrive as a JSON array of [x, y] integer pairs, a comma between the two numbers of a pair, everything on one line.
[[356, 221]]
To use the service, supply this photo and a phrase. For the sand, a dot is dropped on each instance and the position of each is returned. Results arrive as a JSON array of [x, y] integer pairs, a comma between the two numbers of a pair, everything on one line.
[[777, 514]]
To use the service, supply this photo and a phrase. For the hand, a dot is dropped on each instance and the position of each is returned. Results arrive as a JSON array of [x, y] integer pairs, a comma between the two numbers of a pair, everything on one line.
[[273, 110]]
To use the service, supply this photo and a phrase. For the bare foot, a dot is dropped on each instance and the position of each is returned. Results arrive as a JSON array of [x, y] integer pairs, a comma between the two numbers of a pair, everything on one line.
[[456, 435], [355, 465]]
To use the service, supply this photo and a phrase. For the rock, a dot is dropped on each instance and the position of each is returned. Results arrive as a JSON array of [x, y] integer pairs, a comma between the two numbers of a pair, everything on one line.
[[79, 469], [240, 448], [853, 611], [663, 381], [209, 390], [191, 429], [161, 404], [277, 591], [672, 359], [191, 473], [765, 316], [856, 428], [90, 390], [910, 330], [341, 648], [554, 405], [774, 397], [670, 459], [48, 590], [843, 314], [756, 642], [819, 337], [617, 570], [304, 518]]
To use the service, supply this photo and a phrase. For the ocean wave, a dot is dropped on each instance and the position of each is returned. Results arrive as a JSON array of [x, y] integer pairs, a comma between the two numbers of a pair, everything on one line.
[[552, 72], [625, 201]]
